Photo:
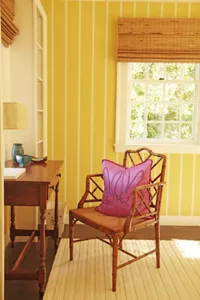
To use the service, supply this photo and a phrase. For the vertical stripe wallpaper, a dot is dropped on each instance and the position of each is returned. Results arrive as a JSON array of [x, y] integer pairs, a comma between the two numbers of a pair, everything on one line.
[[82, 95], [2, 244]]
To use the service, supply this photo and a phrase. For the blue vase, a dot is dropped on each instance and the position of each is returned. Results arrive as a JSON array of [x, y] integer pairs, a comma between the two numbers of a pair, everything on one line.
[[17, 149]]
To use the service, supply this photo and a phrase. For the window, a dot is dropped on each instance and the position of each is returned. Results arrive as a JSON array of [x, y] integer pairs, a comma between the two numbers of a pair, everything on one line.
[[40, 52], [158, 106]]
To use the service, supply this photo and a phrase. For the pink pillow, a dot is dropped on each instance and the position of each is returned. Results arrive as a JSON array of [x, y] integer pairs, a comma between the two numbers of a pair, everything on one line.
[[119, 183]]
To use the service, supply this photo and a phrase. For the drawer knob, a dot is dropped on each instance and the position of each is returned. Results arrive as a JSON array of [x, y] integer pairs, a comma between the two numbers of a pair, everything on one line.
[[59, 175], [51, 187]]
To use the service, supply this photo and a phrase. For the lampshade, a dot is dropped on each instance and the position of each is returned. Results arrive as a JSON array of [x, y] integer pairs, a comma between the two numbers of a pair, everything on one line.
[[14, 115]]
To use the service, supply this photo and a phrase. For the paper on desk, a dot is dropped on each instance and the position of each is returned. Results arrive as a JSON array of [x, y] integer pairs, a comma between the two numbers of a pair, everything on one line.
[[13, 173]]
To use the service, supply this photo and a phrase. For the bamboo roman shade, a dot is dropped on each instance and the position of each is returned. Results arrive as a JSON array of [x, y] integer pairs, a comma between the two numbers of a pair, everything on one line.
[[8, 28], [160, 40]]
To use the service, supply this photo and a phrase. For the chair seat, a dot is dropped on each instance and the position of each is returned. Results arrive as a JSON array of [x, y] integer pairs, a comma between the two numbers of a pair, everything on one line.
[[99, 221], [102, 222]]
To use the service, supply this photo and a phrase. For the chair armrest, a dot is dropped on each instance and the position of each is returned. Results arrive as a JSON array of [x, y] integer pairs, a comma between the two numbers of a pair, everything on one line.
[[93, 189], [149, 185], [153, 206]]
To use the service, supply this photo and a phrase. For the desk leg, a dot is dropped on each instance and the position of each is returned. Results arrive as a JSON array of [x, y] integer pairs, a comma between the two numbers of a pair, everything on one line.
[[42, 267], [12, 225], [56, 239]]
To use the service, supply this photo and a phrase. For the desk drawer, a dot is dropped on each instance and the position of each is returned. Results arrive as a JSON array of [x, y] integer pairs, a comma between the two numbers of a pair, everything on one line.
[[21, 194]]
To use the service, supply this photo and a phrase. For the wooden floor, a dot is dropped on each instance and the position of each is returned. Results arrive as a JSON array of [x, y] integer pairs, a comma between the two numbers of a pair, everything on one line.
[[89, 275], [26, 289]]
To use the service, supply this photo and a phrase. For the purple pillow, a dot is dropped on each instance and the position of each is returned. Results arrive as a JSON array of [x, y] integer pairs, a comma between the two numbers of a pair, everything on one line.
[[119, 183]]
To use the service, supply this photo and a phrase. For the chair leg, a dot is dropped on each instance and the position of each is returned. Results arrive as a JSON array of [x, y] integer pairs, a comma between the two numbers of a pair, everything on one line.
[[157, 239], [114, 263], [71, 235], [121, 245]]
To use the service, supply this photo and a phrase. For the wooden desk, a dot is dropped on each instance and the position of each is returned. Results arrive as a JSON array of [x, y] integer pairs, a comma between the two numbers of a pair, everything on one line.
[[33, 188]]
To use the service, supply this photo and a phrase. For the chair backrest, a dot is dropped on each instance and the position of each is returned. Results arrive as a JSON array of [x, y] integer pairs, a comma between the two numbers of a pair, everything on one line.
[[134, 157]]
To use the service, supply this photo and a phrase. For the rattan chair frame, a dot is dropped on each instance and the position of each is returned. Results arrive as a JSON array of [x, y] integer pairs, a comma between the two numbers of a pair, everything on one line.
[[94, 192]]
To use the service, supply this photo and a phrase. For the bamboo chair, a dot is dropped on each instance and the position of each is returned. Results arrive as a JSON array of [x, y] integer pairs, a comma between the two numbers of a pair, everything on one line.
[[116, 228]]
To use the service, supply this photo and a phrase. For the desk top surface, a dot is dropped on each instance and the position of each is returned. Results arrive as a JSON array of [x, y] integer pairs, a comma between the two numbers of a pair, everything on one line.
[[42, 172]]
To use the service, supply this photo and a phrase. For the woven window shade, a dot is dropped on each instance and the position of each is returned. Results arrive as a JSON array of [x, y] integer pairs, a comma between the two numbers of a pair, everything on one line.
[[8, 28], [158, 40]]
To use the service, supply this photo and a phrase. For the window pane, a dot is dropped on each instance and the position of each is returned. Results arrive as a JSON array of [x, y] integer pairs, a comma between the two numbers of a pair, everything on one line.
[[186, 131], [138, 71], [137, 112], [138, 92], [173, 71], [171, 131], [154, 112], [40, 98], [40, 149], [40, 132], [155, 71], [154, 131], [39, 28], [187, 112], [173, 92], [188, 92], [188, 71], [171, 112], [137, 131], [40, 63], [155, 92]]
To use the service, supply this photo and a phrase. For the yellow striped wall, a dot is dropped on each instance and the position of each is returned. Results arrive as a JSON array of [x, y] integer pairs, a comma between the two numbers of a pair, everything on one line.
[[1, 209], [2, 244], [82, 95]]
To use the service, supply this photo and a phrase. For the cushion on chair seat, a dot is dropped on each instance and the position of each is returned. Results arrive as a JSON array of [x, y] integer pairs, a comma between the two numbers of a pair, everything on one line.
[[97, 220]]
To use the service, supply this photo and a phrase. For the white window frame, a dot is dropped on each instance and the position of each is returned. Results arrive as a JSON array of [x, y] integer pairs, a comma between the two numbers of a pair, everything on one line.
[[37, 6], [123, 92]]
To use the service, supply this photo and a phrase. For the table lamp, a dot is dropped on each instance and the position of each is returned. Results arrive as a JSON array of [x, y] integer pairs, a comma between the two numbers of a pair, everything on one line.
[[14, 117]]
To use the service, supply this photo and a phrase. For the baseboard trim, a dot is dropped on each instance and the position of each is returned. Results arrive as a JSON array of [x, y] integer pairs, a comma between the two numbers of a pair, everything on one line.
[[165, 220], [66, 218], [180, 220]]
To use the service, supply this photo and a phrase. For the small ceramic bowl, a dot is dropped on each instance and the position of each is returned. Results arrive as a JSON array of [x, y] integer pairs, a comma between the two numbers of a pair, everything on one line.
[[23, 160]]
